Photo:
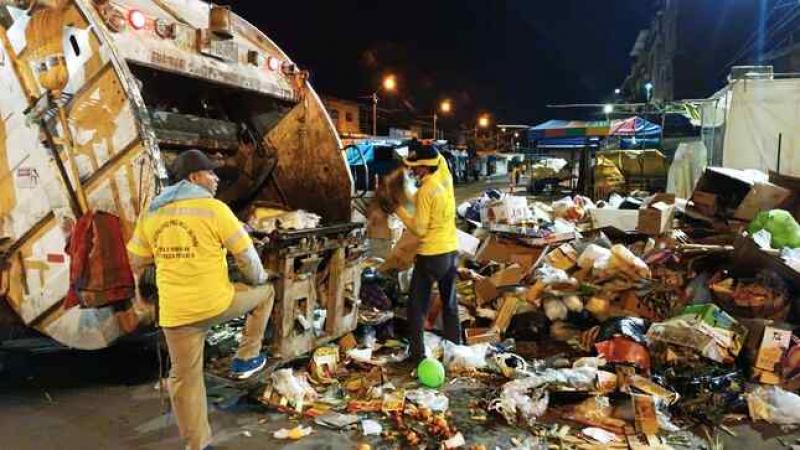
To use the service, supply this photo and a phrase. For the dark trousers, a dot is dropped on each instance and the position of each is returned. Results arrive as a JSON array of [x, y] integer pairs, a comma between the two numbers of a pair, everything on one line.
[[427, 270]]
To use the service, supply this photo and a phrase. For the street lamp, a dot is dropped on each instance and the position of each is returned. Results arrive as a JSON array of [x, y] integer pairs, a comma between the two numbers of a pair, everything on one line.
[[483, 121], [648, 87], [445, 107], [389, 85], [617, 91], [608, 109]]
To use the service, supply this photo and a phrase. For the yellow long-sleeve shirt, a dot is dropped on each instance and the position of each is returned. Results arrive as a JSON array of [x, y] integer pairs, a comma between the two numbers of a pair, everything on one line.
[[434, 219]]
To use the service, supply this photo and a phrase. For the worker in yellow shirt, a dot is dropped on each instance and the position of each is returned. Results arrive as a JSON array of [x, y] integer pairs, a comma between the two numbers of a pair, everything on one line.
[[187, 233], [434, 223]]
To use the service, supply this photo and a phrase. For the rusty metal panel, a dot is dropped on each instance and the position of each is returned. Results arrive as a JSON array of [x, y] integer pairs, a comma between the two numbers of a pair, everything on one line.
[[311, 165]]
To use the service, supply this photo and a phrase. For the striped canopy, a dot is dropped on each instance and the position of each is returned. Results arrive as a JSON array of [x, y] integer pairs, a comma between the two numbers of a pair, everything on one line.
[[569, 128]]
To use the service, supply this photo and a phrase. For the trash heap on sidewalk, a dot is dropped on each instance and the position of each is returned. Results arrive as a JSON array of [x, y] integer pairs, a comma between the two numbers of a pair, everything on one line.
[[625, 322]]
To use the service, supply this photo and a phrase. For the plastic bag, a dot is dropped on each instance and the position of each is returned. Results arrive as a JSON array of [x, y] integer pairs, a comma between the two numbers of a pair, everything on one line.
[[625, 261], [464, 357], [593, 256], [433, 344], [555, 309], [774, 405], [295, 388], [428, 398], [549, 275], [780, 223], [792, 258]]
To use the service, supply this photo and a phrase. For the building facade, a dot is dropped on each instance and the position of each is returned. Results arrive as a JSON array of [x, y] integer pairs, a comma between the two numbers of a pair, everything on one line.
[[690, 45], [345, 115]]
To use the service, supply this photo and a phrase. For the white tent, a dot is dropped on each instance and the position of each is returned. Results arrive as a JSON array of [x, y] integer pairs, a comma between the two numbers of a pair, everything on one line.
[[762, 113]]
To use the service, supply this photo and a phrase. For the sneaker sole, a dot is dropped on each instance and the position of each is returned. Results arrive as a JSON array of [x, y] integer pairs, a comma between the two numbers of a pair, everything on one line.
[[247, 374]]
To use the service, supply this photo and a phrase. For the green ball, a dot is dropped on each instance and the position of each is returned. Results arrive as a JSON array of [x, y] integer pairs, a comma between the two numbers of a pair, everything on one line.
[[430, 372]]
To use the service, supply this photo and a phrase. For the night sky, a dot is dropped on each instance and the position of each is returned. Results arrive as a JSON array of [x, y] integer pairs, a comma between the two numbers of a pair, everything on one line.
[[507, 57]]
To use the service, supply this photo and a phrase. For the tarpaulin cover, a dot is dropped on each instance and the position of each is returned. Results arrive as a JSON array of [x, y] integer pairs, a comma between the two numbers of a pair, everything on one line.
[[380, 159], [635, 126], [761, 111], [568, 129]]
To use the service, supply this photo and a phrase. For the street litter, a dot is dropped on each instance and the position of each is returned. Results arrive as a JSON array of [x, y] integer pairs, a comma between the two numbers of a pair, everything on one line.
[[293, 434], [632, 333], [370, 427]]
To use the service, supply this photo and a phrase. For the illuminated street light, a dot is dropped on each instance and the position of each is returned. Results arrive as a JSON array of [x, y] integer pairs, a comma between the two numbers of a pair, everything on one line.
[[516, 134], [649, 88], [608, 109], [389, 85], [483, 121], [617, 91], [445, 106]]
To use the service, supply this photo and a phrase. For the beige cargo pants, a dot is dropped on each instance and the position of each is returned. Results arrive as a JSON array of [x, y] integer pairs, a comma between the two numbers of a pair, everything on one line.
[[187, 389]]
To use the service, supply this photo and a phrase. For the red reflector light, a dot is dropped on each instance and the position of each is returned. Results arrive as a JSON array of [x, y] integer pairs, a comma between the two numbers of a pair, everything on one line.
[[273, 63], [137, 19]]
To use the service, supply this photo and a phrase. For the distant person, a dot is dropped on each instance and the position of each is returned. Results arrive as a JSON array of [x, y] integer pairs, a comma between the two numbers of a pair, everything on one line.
[[513, 178], [187, 233]]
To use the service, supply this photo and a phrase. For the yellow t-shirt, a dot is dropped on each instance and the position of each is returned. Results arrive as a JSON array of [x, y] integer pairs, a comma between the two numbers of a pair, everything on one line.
[[188, 240], [434, 219]]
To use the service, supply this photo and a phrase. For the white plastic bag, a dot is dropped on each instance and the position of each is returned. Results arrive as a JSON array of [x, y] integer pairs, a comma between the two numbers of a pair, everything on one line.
[[428, 398], [465, 357], [774, 405], [549, 275], [592, 255], [295, 388]]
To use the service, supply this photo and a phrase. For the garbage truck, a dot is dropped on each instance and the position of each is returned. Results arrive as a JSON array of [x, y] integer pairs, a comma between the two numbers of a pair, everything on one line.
[[97, 97]]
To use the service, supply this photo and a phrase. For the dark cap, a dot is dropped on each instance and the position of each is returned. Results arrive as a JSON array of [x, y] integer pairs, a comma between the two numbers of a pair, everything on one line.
[[191, 161], [420, 154]]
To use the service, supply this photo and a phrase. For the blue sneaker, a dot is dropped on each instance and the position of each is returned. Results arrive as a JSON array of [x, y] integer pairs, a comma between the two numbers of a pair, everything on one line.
[[243, 369]]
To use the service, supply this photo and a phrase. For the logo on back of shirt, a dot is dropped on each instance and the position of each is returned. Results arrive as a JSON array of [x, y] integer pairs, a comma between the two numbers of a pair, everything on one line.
[[178, 248]]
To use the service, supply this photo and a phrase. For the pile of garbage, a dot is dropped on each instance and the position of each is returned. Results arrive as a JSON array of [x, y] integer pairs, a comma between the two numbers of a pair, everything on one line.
[[619, 323]]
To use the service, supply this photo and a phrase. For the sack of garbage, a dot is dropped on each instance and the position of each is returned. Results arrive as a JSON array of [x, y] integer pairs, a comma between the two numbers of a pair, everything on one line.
[[774, 405], [784, 229]]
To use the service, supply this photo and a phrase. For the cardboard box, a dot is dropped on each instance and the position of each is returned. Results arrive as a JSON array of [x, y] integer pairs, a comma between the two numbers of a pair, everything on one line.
[[509, 276], [487, 289], [739, 194], [564, 257], [481, 335], [773, 345], [497, 249], [644, 413], [655, 217], [705, 203], [621, 219], [505, 313], [403, 253], [377, 222], [511, 210], [467, 244]]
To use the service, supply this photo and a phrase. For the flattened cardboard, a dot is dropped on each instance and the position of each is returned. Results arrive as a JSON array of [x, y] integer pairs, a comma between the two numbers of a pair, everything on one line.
[[403, 253]]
